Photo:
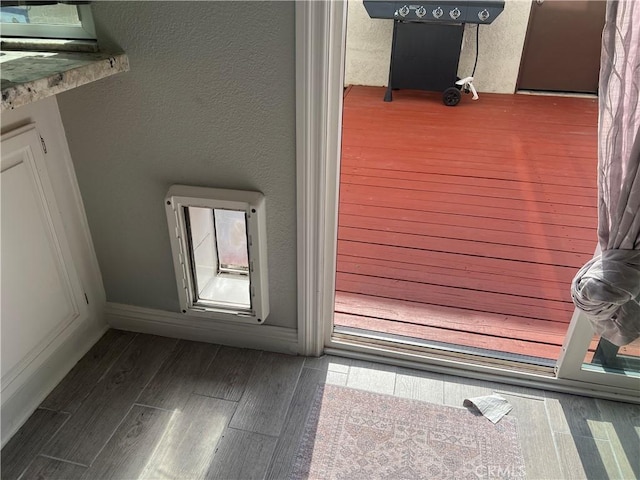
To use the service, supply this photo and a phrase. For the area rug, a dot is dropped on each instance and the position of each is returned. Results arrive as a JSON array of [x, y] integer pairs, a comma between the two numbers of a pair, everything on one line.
[[352, 434]]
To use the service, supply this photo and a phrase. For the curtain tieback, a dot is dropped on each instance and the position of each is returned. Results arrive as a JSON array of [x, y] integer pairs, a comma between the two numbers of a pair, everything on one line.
[[607, 290]]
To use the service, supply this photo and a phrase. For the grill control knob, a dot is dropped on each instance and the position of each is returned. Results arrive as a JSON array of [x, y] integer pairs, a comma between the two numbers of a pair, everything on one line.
[[483, 15], [421, 12], [437, 13], [455, 13], [404, 11]]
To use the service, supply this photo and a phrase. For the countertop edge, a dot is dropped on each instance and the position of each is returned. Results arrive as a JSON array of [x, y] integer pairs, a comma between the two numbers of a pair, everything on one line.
[[15, 96]]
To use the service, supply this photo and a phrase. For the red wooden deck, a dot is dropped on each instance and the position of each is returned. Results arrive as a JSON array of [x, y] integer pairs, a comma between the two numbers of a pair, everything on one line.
[[465, 225]]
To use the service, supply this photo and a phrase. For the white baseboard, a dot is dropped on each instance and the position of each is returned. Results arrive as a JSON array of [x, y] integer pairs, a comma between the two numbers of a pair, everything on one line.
[[33, 390], [178, 325]]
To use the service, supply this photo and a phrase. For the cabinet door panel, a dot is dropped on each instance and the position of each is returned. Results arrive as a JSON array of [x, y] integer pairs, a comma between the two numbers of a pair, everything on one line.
[[41, 293]]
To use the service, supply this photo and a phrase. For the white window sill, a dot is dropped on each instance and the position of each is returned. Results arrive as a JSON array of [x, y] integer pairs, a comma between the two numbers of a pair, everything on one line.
[[29, 76]]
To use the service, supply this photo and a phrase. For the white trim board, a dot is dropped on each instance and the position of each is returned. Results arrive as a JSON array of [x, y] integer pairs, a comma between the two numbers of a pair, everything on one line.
[[179, 325], [319, 73]]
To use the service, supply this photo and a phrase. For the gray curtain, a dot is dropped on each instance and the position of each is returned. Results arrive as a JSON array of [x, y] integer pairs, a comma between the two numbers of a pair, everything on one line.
[[607, 288]]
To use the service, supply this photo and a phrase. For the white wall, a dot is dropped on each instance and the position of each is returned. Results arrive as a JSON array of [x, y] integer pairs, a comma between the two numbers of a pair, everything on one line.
[[209, 101], [501, 43]]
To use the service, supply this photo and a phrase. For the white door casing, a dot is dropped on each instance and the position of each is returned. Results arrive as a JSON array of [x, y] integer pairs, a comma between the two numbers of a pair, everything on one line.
[[320, 47]]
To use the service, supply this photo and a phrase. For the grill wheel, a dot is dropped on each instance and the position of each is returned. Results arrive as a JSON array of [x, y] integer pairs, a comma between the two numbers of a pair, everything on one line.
[[451, 96]]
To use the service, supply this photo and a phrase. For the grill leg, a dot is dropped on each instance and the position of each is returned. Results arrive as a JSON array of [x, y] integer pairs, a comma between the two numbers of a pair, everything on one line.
[[388, 96]]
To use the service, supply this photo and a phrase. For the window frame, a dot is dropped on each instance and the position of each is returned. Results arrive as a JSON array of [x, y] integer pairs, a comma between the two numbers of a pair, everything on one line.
[[85, 31], [181, 197]]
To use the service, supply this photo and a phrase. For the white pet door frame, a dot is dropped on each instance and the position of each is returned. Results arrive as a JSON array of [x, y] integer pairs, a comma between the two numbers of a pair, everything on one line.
[[218, 240]]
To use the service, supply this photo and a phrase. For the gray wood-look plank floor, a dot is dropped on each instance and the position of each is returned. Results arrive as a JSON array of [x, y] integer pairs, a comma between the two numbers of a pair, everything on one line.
[[146, 407]]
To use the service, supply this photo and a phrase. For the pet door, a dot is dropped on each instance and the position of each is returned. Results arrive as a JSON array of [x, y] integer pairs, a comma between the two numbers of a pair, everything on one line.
[[218, 240]]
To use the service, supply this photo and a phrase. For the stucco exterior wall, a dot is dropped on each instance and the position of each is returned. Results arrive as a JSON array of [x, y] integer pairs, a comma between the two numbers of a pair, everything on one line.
[[369, 48]]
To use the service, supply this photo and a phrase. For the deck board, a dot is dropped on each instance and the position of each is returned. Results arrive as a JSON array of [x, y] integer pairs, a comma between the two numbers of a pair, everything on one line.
[[480, 234], [515, 271], [465, 225], [467, 299], [469, 247], [521, 161], [548, 231], [453, 277], [527, 189], [461, 200], [565, 177], [446, 204], [458, 186]]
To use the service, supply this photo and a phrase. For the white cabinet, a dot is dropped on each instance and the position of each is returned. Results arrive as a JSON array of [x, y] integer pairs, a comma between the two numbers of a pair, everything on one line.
[[52, 299], [41, 292]]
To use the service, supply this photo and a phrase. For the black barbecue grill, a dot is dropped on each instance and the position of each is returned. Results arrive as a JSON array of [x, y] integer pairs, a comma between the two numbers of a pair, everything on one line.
[[427, 38]]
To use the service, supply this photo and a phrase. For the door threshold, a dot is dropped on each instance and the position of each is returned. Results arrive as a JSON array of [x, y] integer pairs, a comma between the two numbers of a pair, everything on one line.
[[543, 93], [372, 347], [480, 356]]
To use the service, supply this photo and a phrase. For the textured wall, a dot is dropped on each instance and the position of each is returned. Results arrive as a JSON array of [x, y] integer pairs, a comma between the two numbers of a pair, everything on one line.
[[369, 48], [209, 101], [501, 46]]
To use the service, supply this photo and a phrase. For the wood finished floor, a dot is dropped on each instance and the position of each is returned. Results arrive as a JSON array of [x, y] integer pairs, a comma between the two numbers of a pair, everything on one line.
[[465, 225], [141, 406]]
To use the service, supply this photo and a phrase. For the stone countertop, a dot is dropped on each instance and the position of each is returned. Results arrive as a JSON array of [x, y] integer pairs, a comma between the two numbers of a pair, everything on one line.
[[29, 76]]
